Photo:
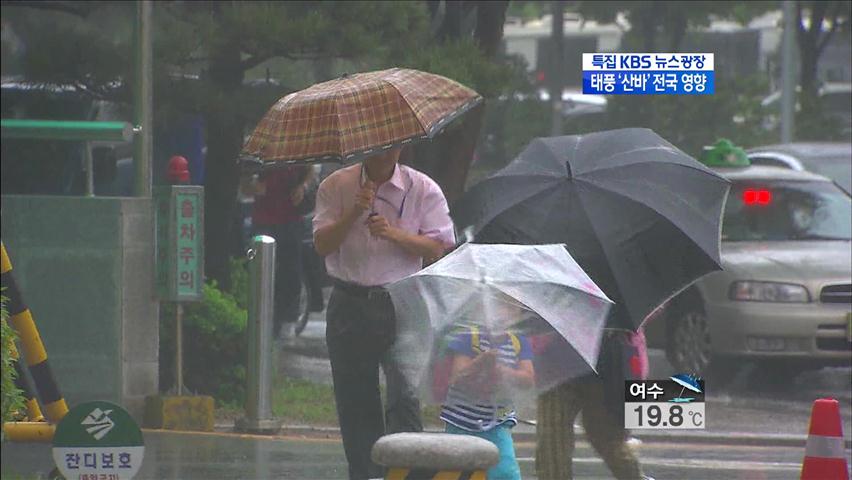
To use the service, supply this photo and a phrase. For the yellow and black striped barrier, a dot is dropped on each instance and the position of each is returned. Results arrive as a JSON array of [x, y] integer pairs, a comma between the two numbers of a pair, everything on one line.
[[23, 384], [29, 432], [20, 319], [427, 474]]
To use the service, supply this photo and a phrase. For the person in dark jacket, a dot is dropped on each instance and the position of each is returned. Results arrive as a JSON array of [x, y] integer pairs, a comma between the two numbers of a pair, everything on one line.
[[278, 194], [601, 399]]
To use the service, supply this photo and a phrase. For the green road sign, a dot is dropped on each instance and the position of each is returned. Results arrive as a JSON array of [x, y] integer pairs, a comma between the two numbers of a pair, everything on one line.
[[98, 441], [180, 242]]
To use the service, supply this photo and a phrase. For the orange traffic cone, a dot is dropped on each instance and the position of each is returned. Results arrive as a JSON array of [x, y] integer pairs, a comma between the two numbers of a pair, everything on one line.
[[825, 458]]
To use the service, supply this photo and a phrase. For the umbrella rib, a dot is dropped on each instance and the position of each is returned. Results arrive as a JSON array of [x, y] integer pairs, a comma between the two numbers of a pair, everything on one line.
[[580, 290], [337, 94], [525, 282], [633, 200], [425, 130], [485, 220], [605, 250], [556, 154]]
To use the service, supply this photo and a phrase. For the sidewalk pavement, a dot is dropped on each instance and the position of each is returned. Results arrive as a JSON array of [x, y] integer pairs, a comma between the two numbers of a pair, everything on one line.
[[525, 433]]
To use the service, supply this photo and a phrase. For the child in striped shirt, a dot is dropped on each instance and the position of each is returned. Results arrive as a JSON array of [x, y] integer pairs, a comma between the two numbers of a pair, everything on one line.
[[479, 358]]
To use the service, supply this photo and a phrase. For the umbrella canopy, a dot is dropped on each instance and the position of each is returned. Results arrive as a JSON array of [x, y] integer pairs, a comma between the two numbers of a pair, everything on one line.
[[687, 381], [641, 217], [354, 116], [537, 294]]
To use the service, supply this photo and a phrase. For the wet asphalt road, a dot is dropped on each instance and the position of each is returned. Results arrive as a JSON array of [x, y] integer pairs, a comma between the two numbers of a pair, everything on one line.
[[184, 456]]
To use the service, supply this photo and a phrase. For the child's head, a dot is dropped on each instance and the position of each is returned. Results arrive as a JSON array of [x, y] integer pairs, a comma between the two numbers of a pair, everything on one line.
[[502, 309]]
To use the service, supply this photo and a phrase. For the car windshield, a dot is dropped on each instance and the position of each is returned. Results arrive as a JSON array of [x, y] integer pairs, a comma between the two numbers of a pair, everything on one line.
[[774, 210]]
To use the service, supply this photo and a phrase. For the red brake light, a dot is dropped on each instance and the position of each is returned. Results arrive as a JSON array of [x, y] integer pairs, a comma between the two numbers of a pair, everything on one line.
[[757, 197]]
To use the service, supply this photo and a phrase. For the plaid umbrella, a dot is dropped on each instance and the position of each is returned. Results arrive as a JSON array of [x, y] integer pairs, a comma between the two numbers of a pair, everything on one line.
[[354, 116]]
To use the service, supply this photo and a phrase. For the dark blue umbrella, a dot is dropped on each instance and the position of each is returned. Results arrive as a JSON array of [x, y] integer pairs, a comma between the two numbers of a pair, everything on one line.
[[641, 217]]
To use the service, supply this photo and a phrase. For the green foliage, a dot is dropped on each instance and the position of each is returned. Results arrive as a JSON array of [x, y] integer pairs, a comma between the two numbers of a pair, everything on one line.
[[12, 398], [239, 281], [91, 48], [508, 127], [688, 122], [304, 402], [813, 123], [297, 401], [668, 21], [462, 61], [528, 10], [691, 122], [189, 33], [214, 346]]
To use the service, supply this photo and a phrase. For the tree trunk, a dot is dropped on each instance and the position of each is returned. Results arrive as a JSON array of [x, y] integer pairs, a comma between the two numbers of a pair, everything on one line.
[[224, 142], [451, 28], [677, 25], [490, 17], [809, 51], [647, 28]]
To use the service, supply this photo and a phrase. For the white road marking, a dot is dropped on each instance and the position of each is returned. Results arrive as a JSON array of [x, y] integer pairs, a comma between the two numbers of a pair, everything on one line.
[[702, 464]]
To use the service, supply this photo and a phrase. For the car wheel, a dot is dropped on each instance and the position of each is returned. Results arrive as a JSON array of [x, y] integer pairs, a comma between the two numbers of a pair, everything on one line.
[[688, 347], [304, 310]]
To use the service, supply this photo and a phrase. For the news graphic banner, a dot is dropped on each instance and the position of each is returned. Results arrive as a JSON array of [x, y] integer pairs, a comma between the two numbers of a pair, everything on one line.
[[674, 403], [648, 73]]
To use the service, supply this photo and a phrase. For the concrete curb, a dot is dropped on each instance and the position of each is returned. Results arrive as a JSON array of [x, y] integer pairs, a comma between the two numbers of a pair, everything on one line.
[[724, 438]]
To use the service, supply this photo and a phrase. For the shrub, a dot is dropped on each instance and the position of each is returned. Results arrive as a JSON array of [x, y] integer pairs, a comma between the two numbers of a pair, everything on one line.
[[239, 281], [214, 346], [12, 398]]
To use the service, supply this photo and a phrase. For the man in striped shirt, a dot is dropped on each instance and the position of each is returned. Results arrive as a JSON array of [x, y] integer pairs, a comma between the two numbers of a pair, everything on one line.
[[482, 363]]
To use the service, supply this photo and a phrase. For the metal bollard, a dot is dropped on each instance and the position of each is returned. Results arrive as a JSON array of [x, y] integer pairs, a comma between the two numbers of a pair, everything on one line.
[[261, 294], [432, 456]]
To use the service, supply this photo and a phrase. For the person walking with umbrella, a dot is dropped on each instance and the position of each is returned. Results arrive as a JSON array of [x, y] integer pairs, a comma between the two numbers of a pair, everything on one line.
[[638, 214], [375, 223], [599, 397], [491, 326]]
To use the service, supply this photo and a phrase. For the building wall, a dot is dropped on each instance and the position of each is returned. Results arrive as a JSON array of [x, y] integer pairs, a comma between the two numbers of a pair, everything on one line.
[[85, 267]]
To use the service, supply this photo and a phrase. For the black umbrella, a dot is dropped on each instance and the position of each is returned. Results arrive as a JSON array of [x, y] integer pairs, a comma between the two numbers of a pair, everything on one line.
[[641, 217]]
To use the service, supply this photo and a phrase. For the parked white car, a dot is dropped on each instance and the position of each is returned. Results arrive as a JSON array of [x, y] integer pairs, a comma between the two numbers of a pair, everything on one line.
[[784, 298]]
